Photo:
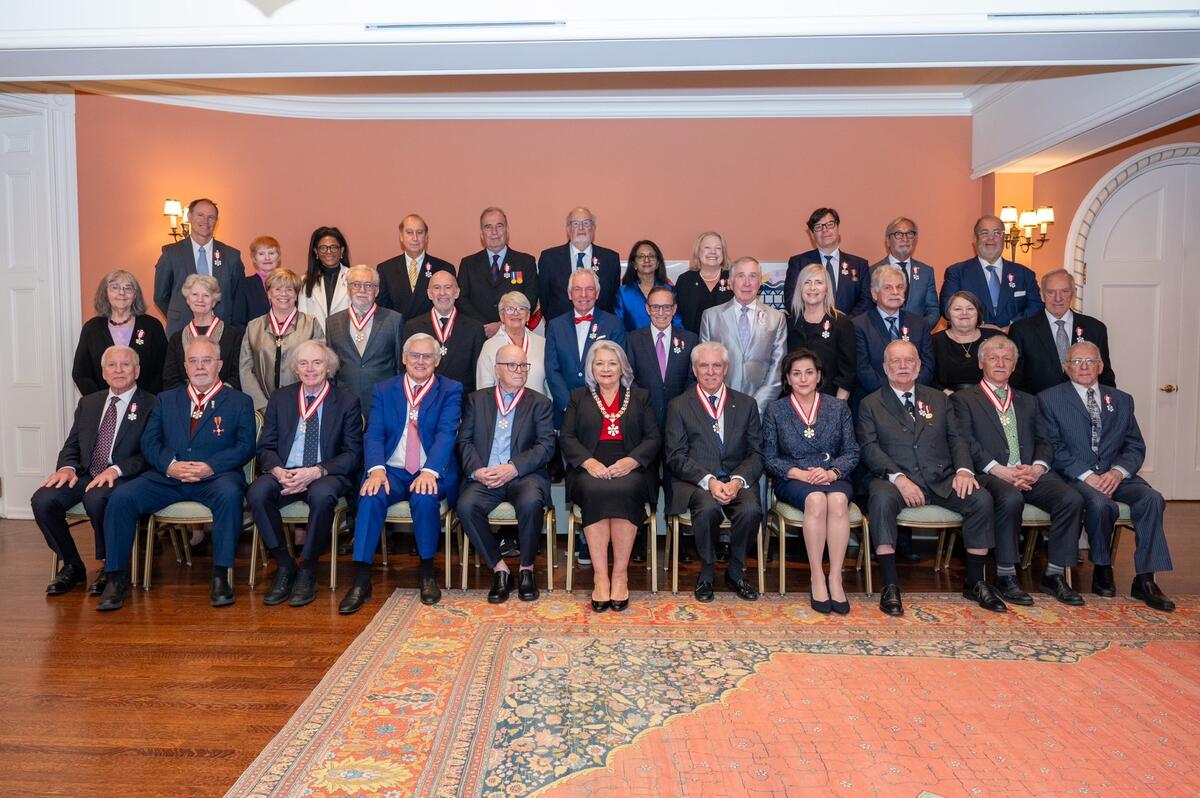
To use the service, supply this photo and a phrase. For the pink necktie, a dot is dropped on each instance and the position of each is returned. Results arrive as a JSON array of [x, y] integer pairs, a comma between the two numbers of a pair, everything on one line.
[[662, 356], [412, 449]]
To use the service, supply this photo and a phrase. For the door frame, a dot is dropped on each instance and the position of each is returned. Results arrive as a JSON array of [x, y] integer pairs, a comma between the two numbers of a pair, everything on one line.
[[60, 212]]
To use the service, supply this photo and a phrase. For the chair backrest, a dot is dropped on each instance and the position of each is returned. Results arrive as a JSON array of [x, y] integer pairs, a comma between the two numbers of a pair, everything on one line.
[[252, 466]]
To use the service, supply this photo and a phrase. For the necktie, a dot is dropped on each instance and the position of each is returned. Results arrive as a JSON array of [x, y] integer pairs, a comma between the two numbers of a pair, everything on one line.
[[993, 285], [312, 435], [202, 262], [104, 439], [712, 401], [744, 329], [200, 396], [895, 333], [1010, 429], [904, 268], [583, 318], [831, 271], [412, 446], [578, 260], [442, 321], [1093, 409], [413, 268], [495, 268], [1061, 342], [661, 349], [908, 405]]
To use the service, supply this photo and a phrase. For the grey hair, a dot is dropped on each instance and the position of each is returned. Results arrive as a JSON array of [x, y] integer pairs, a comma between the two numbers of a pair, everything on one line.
[[332, 361], [588, 272], [363, 267], [1057, 273], [715, 346], [997, 342], [591, 215], [514, 299], [884, 270], [101, 303], [416, 338], [137, 359], [746, 259], [206, 281], [615, 348], [1079, 344], [900, 342], [894, 223]]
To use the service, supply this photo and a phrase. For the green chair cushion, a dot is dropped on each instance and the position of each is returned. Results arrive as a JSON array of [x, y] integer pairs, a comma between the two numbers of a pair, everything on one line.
[[929, 514], [400, 512], [794, 516]]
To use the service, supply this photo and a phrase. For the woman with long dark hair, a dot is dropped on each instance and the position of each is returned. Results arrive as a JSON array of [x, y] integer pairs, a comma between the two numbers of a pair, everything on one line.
[[325, 291], [645, 271]]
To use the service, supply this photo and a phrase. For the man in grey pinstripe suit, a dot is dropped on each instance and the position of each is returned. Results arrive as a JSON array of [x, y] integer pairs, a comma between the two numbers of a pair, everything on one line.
[[1099, 449], [366, 337]]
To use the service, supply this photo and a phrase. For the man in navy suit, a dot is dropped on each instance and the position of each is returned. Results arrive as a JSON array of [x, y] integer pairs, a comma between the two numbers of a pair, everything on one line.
[[1045, 337], [848, 274], [1007, 290], [494, 271], [199, 253], [196, 443], [881, 325], [403, 280], [580, 252], [309, 450], [921, 297], [1098, 448], [409, 456], [103, 449]]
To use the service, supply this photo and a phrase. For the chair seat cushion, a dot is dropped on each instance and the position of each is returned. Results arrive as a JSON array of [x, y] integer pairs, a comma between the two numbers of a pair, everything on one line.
[[182, 511], [503, 512], [1031, 514], [929, 514], [297, 512], [401, 513], [1123, 512], [794, 516], [77, 510]]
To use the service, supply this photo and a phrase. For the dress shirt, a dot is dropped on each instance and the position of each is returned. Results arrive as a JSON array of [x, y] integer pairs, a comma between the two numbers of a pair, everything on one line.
[[587, 256], [123, 400], [987, 469], [503, 253], [883, 314], [720, 422], [396, 460], [582, 329], [1069, 318], [908, 265], [1079, 389], [208, 254], [295, 458], [835, 264], [502, 437]]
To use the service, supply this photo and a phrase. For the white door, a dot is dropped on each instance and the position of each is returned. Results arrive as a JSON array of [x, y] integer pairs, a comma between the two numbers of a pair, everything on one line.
[[1143, 280], [31, 376]]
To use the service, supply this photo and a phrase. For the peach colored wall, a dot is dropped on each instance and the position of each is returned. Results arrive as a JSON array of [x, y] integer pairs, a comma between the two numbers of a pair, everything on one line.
[[1066, 187], [755, 180]]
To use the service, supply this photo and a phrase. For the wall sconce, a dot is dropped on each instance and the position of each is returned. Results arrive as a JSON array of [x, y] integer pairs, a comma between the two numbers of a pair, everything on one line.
[[173, 209], [1019, 228]]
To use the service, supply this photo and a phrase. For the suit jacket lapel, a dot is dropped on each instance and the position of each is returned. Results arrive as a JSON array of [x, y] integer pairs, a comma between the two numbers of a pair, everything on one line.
[[892, 403], [991, 412], [490, 414], [373, 340]]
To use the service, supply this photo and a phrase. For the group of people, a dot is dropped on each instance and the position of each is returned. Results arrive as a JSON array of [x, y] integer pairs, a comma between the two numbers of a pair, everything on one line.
[[480, 384]]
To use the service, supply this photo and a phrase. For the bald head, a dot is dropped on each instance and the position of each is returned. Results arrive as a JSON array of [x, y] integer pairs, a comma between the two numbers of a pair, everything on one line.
[[512, 368]]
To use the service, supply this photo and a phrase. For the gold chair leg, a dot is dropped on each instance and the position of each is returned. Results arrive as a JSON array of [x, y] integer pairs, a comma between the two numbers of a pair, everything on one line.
[[255, 541], [150, 525], [448, 522], [383, 543], [762, 567], [54, 563], [134, 578], [464, 550], [1032, 535], [949, 550], [653, 531], [675, 555], [781, 530], [338, 515], [185, 540], [570, 547], [550, 529], [937, 556]]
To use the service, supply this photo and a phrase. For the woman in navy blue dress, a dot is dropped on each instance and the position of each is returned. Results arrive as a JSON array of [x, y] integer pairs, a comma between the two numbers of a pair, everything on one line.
[[809, 449]]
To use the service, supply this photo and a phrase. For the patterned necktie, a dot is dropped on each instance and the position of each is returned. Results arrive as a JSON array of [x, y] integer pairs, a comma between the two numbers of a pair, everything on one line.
[[104, 439], [892, 329], [832, 272], [1008, 420], [412, 446], [744, 329], [1093, 409], [1061, 342], [495, 268], [414, 267], [312, 434], [908, 405], [578, 260], [993, 285], [202, 262], [661, 349], [712, 402]]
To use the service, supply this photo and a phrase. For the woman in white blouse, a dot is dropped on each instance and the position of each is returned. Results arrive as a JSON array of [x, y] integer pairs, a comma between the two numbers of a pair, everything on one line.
[[514, 318], [325, 291]]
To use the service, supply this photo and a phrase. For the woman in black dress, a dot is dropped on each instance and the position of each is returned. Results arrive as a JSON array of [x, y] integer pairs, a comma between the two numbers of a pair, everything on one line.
[[706, 282], [815, 324], [121, 319], [956, 348], [202, 294], [609, 441]]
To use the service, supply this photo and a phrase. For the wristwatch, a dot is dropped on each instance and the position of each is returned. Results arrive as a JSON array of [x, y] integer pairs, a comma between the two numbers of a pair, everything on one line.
[[324, 471]]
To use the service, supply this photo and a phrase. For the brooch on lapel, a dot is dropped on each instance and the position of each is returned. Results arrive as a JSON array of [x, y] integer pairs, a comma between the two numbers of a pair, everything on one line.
[[762, 318], [217, 429], [132, 414], [140, 340], [216, 258], [904, 334], [428, 272], [1012, 280], [721, 285], [924, 411], [676, 346], [1108, 403], [595, 333], [916, 272], [825, 329], [1078, 335], [845, 268], [595, 264]]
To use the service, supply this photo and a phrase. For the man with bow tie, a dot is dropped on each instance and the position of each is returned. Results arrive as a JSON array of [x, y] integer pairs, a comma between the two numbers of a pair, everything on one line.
[[459, 337], [197, 441]]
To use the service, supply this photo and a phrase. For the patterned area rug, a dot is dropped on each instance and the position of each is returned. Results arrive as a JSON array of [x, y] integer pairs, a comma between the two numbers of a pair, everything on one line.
[[675, 698]]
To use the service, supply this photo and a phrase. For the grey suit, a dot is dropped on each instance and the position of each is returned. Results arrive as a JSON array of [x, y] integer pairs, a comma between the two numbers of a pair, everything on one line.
[[177, 262], [925, 449], [754, 371], [380, 359]]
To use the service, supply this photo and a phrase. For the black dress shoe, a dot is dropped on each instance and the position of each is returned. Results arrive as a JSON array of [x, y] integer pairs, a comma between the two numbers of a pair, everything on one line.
[[199, 549], [509, 548], [281, 586], [986, 596], [1056, 585], [704, 591], [639, 553], [67, 578], [527, 589], [722, 552], [430, 592], [97, 586], [619, 605], [889, 601], [354, 598], [220, 591], [1102, 581], [115, 593], [1010, 589], [823, 607], [745, 591], [601, 606], [304, 589], [907, 556], [501, 587], [346, 546], [1145, 589]]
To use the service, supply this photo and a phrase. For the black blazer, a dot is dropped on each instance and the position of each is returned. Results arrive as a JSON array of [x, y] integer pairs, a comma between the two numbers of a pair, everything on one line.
[[149, 341], [691, 451], [532, 442], [580, 434], [250, 302], [643, 359], [395, 292], [977, 422], [928, 450], [853, 294], [462, 348], [479, 298], [127, 447], [554, 271], [1038, 367], [174, 375], [837, 353], [341, 431]]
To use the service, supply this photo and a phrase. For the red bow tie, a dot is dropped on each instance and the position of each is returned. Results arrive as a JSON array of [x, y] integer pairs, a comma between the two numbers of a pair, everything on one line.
[[583, 318]]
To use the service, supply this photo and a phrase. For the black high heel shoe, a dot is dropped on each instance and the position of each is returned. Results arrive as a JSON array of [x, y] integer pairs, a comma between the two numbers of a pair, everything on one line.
[[618, 605], [822, 607], [600, 606]]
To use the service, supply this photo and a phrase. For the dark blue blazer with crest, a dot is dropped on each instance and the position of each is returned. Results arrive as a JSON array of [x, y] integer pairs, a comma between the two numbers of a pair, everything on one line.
[[1019, 294], [224, 437], [564, 366]]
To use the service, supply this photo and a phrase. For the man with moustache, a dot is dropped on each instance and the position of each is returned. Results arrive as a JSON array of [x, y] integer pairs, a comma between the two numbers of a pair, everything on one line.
[[404, 279], [878, 327], [460, 338], [920, 296], [366, 337], [1007, 289], [494, 271], [848, 274], [199, 253], [580, 252]]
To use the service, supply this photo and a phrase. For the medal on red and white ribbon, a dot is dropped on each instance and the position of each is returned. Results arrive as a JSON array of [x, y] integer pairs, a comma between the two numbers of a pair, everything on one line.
[[358, 323], [1002, 408], [714, 412], [414, 400], [503, 409], [807, 419], [825, 328], [311, 410], [443, 335], [198, 403], [278, 329], [524, 343], [195, 331]]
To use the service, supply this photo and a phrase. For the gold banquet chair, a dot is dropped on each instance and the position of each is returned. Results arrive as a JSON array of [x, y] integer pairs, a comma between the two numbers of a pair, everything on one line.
[[1036, 520], [786, 515], [685, 519], [76, 516], [506, 515], [401, 513], [932, 516], [575, 520], [295, 515]]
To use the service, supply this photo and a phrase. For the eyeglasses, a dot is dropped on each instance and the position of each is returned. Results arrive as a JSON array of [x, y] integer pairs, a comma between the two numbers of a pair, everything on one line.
[[650, 258], [328, 247], [990, 234], [420, 356], [661, 308], [1084, 361], [122, 288], [361, 286], [510, 311], [580, 224], [820, 226], [516, 367], [201, 361], [901, 235]]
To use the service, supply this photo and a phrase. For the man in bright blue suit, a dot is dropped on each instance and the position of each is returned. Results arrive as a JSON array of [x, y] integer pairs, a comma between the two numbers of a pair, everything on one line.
[[569, 337], [556, 264], [408, 455], [921, 297], [1098, 449], [196, 443], [881, 325], [1008, 290]]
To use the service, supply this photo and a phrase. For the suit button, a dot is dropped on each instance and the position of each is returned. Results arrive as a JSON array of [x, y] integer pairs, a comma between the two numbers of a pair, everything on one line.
[[579, 374]]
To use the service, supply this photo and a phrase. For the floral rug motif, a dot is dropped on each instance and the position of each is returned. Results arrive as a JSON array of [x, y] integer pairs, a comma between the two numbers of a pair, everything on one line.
[[735, 698]]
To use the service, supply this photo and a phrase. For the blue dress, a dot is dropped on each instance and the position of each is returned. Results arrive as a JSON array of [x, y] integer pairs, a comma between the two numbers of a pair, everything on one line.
[[832, 446], [631, 308]]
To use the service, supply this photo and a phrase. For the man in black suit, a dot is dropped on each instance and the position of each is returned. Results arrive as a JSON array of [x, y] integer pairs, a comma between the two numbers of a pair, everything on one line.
[[1043, 339], [915, 458], [504, 443], [460, 337], [494, 271], [199, 253], [404, 279], [367, 338], [1012, 457], [713, 452], [103, 449], [580, 252], [309, 450], [848, 274]]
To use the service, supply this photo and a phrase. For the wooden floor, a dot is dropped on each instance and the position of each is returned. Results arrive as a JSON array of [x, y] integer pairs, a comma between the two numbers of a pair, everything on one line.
[[170, 697]]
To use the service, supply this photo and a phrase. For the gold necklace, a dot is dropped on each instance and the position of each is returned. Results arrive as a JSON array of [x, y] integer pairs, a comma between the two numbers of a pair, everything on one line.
[[612, 419]]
